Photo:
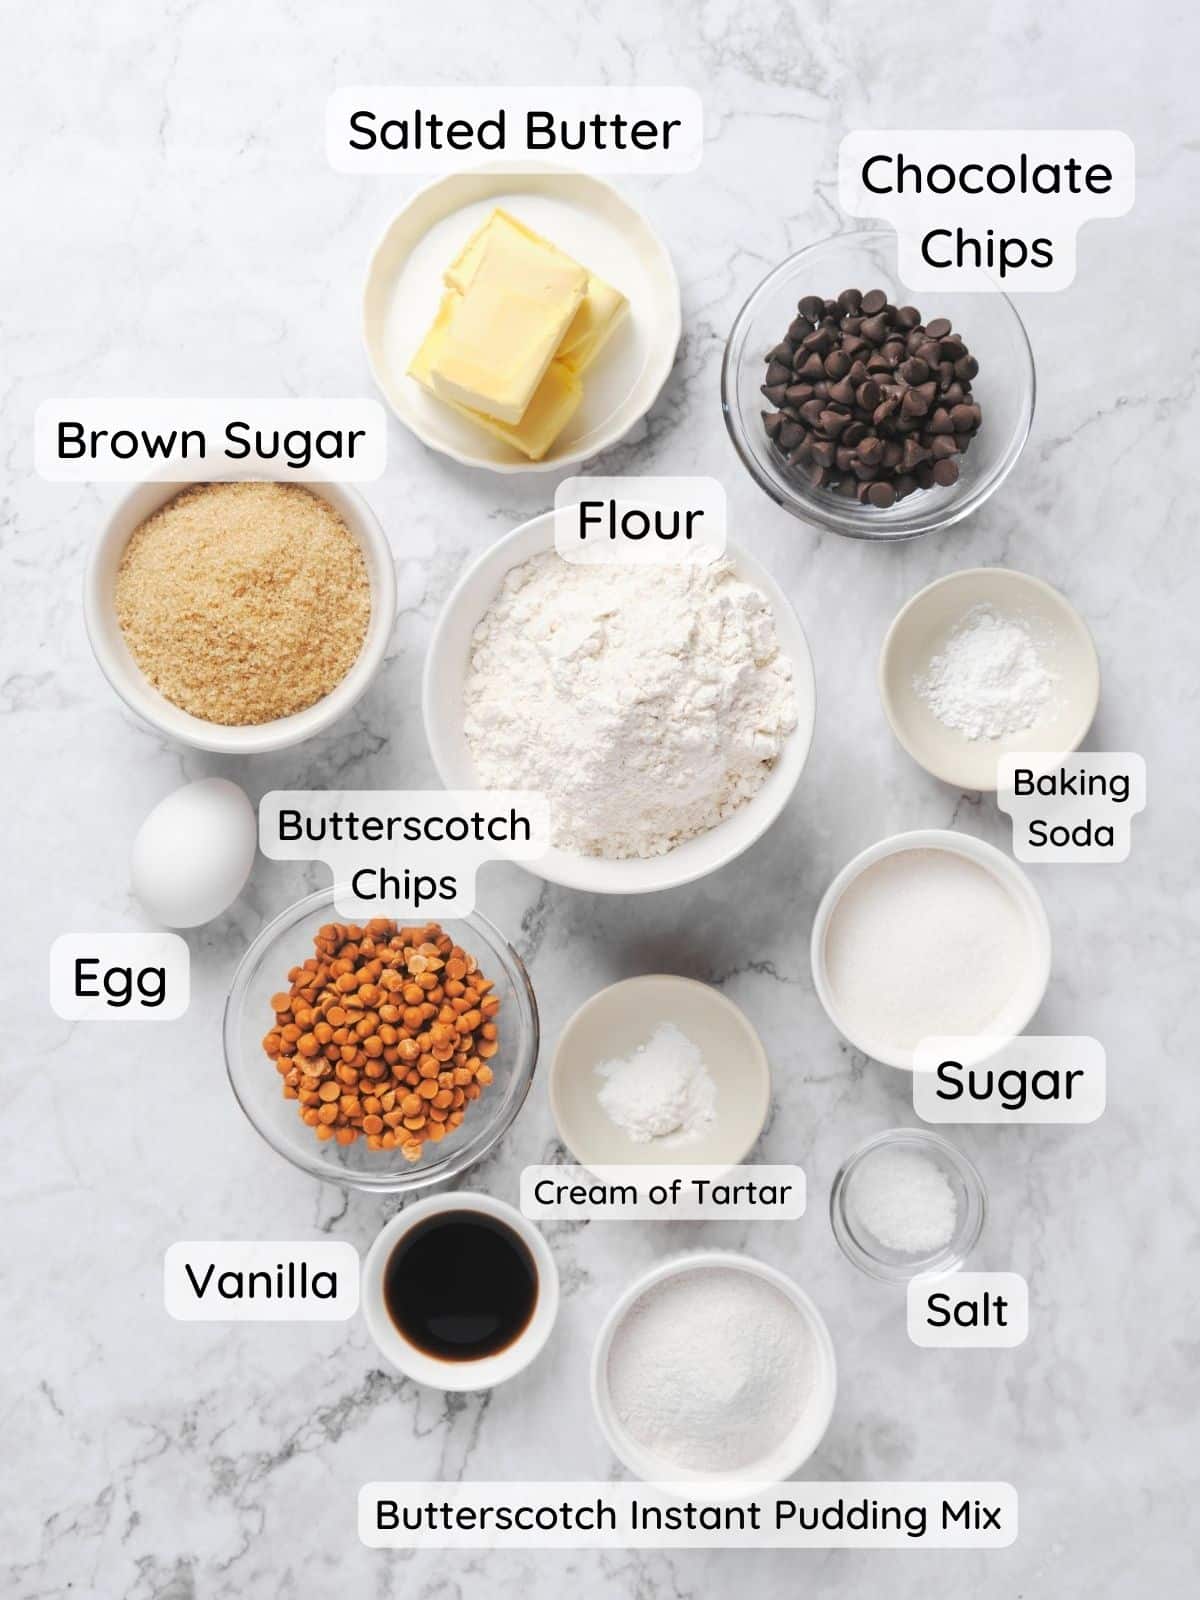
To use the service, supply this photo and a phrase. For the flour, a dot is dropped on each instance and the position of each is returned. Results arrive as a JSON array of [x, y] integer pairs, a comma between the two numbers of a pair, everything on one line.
[[711, 1370], [662, 1091], [989, 679], [647, 705]]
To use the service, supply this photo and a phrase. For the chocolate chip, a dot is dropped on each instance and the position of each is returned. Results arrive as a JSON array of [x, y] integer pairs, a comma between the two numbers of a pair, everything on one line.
[[871, 449], [874, 328], [870, 402], [869, 395]]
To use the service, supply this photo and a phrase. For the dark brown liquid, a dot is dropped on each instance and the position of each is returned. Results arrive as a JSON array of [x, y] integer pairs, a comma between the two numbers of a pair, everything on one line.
[[461, 1285]]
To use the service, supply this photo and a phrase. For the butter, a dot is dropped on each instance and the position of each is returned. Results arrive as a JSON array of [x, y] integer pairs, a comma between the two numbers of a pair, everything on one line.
[[600, 310], [555, 400], [502, 332]]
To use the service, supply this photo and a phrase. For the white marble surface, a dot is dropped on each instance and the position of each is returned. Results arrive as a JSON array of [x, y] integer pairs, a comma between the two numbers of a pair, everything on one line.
[[173, 228]]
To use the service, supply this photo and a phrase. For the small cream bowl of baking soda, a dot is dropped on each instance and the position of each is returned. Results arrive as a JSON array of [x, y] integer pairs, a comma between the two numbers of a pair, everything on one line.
[[985, 663]]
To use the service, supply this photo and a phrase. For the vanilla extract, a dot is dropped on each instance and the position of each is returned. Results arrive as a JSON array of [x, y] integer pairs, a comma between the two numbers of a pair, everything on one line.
[[461, 1285]]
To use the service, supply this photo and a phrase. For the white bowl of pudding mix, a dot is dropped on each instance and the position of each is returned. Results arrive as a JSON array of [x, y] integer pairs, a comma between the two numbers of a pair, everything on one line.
[[452, 667], [930, 934]]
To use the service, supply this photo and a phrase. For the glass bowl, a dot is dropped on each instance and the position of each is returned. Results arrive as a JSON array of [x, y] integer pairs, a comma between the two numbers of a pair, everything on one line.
[[1005, 387], [285, 943], [869, 1254]]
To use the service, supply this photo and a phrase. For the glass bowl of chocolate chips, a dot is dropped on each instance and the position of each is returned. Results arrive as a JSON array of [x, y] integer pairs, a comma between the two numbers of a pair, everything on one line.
[[857, 411]]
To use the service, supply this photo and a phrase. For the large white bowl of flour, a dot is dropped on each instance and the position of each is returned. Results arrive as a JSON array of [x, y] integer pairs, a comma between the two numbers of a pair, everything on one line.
[[448, 668]]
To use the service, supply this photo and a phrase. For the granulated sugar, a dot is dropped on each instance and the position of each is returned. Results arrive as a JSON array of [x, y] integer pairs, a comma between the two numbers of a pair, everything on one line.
[[244, 602], [924, 942], [711, 1369]]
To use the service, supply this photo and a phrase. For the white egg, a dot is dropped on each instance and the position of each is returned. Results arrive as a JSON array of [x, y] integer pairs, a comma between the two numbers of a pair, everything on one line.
[[194, 852]]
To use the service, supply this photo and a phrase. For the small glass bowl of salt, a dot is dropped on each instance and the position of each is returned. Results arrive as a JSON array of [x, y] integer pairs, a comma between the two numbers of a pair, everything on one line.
[[907, 1204]]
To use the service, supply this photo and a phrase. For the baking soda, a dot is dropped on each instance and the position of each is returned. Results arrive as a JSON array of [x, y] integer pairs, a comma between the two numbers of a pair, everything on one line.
[[988, 680]]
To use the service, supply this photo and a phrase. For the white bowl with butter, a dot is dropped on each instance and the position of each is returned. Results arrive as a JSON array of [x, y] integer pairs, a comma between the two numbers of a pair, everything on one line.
[[405, 299], [447, 666]]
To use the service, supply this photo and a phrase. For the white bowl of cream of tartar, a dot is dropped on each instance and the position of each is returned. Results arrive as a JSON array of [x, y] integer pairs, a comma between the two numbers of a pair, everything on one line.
[[447, 666], [1031, 989], [789, 1456]]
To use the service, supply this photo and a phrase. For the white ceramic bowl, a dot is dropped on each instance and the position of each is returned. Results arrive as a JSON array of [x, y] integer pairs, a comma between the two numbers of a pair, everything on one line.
[[446, 668], [790, 1455], [1030, 992], [612, 1024], [488, 1371], [920, 631], [126, 677], [581, 215]]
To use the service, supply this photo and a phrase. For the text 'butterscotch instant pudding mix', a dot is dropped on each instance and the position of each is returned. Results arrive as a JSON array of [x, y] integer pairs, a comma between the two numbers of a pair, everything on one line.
[[244, 602], [385, 1032]]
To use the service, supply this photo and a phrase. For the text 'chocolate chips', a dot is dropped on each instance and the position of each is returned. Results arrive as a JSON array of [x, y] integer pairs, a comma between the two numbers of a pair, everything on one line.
[[872, 402]]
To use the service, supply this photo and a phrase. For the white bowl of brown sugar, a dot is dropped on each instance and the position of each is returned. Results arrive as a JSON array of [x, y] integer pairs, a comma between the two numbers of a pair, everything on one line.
[[240, 616]]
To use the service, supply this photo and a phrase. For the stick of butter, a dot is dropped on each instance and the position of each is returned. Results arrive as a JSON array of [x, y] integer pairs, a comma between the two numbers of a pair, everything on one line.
[[502, 333], [598, 315], [555, 400]]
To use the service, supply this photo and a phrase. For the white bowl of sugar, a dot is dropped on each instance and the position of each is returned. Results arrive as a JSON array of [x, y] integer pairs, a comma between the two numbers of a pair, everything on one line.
[[714, 1371], [930, 934]]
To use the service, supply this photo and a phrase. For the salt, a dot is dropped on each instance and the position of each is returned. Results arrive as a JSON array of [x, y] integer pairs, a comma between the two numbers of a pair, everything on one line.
[[662, 1091], [905, 1201]]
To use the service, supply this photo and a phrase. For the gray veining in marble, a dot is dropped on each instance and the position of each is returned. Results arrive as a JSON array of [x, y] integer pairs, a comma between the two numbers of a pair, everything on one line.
[[172, 227]]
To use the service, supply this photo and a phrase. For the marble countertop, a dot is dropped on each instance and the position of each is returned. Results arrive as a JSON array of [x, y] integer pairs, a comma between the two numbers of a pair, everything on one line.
[[177, 230]]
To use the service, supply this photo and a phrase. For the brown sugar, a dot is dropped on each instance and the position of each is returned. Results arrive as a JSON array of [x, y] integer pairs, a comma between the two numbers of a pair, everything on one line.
[[243, 602]]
